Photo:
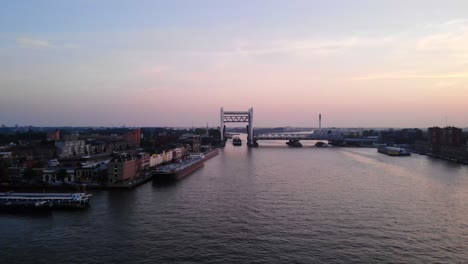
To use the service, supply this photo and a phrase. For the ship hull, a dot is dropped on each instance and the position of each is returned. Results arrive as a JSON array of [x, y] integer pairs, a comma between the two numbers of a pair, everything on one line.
[[178, 174], [56, 200], [211, 154], [393, 152]]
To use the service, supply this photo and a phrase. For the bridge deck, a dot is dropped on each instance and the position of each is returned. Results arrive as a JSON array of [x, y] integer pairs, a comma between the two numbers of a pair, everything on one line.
[[298, 137]]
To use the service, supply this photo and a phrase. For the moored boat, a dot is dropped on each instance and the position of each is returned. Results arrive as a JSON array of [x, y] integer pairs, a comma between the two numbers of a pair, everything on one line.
[[321, 144], [177, 171], [56, 200], [210, 154], [393, 151]]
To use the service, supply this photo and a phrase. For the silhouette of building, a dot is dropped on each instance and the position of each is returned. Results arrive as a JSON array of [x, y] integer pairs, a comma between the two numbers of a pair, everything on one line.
[[447, 142], [452, 136], [435, 139]]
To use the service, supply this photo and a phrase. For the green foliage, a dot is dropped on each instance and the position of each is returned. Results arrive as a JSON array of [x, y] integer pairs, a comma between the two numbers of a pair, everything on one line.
[[214, 133], [199, 131], [18, 136]]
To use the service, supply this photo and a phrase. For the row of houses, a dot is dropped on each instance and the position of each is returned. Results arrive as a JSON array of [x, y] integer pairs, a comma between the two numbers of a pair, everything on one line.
[[85, 174], [125, 167], [120, 168]]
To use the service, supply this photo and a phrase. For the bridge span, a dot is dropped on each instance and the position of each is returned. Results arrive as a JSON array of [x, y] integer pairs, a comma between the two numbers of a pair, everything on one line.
[[328, 135], [331, 135]]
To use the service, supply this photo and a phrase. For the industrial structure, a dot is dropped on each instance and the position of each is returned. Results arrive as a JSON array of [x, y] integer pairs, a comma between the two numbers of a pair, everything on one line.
[[238, 117], [333, 136]]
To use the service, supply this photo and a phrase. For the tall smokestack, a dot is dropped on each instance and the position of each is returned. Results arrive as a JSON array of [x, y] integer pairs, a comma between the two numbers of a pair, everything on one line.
[[320, 121]]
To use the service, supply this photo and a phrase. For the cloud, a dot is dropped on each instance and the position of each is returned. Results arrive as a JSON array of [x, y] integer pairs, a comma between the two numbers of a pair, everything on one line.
[[451, 35], [449, 24], [154, 70], [310, 47], [406, 76], [26, 42], [454, 22], [32, 43]]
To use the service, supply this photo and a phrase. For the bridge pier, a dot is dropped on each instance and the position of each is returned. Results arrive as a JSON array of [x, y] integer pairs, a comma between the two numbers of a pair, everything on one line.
[[238, 117]]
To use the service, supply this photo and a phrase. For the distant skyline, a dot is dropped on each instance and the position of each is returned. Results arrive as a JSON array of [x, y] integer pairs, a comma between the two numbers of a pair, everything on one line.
[[173, 63]]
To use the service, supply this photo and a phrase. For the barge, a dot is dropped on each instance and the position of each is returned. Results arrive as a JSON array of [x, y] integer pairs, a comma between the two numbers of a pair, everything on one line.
[[177, 171], [56, 200], [210, 154], [393, 151]]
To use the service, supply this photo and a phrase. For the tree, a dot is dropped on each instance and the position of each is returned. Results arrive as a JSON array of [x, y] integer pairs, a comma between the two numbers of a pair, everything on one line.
[[200, 131], [214, 133]]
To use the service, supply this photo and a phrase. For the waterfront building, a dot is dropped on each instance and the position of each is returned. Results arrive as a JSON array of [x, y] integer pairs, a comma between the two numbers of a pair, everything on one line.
[[122, 168], [156, 159], [65, 175], [447, 142], [452, 136], [178, 153], [95, 172], [167, 156], [143, 161], [435, 139]]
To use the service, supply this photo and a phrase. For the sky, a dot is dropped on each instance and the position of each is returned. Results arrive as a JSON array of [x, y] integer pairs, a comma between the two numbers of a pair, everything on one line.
[[361, 63]]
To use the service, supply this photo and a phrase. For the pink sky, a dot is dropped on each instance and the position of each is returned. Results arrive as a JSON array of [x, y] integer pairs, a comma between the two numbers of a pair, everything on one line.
[[360, 69]]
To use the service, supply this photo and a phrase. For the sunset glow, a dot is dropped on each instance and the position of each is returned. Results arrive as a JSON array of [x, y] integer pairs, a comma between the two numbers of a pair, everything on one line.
[[171, 63]]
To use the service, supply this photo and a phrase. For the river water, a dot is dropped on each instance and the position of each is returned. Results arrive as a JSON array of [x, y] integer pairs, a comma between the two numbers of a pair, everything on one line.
[[271, 204]]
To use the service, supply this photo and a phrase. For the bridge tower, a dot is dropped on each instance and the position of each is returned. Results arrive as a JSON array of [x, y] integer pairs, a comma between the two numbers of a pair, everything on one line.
[[238, 117]]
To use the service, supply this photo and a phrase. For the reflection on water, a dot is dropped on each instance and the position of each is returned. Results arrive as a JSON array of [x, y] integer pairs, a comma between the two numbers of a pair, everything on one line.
[[265, 205]]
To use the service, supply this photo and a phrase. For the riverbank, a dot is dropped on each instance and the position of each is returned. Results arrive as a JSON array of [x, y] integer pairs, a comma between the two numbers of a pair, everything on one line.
[[459, 161], [76, 187]]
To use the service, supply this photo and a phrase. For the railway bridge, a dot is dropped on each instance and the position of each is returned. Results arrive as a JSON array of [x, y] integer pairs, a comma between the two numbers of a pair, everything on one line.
[[331, 135]]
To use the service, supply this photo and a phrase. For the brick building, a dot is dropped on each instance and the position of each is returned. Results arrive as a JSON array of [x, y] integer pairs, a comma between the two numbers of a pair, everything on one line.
[[122, 168]]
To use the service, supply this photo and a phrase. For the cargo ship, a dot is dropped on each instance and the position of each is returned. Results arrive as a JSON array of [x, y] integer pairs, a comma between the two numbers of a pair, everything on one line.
[[177, 171], [236, 141], [393, 151], [210, 154], [56, 200]]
